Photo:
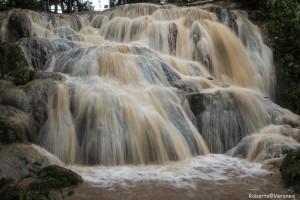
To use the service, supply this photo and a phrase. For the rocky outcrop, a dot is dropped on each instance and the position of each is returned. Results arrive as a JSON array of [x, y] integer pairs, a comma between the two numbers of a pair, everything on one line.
[[18, 161], [24, 108], [219, 120], [290, 170], [41, 50], [172, 38], [224, 118], [272, 142], [16, 126], [30, 172], [19, 25], [55, 177], [24, 95], [13, 64]]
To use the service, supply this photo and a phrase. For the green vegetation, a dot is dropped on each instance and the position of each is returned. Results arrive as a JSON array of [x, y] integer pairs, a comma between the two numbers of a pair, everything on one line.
[[290, 170]]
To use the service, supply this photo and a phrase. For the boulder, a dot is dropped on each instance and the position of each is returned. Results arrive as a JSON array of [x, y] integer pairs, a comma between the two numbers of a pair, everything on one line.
[[40, 51], [290, 170], [24, 109], [16, 126], [172, 38], [18, 161], [14, 97], [219, 119], [19, 25], [269, 144], [55, 177], [30, 172], [38, 92], [225, 116], [13, 64]]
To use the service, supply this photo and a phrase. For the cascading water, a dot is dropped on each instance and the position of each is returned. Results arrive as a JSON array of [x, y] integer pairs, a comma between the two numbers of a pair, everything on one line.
[[128, 71], [145, 84]]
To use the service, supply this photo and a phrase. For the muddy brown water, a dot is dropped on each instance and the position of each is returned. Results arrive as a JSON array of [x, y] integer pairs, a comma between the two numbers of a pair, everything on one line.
[[212, 177]]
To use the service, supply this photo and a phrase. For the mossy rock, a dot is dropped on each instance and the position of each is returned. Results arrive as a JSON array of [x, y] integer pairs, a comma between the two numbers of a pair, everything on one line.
[[13, 64], [55, 177], [290, 170], [9, 191]]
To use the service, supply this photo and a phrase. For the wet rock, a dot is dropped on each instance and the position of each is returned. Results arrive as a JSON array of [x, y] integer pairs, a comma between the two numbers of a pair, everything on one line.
[[290, 170], [30, 172], [224, 118], [272, 142], [55, 76], [5, 85], [219, 120], [55, 177], [172, 38], [291, 132], [226, 16], [279, 115], [14, 97], [13, 64], [38, 92], [10, 191], [18, 161], [24, 109], [19, 25], [16, 126], [41, 50]]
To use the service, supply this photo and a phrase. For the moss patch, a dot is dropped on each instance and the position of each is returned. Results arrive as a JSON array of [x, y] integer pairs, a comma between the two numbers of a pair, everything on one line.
[[50, 183], [13, 64], [290, 170], [55, 177]]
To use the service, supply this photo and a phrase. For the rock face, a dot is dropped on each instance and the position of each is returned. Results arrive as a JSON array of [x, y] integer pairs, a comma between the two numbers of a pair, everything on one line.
[[15, 126], [290, 170], [19, 25], [55, 177], [21, 160], [30, 172], [219, 120], [24, 96], [224, 118], [13, 65], [24, 108]]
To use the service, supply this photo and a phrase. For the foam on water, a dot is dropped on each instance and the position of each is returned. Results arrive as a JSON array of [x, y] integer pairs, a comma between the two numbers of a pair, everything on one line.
[[184, 174]]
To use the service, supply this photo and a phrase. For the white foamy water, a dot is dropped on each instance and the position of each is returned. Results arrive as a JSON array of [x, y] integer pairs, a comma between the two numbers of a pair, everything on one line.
[[184, 174]]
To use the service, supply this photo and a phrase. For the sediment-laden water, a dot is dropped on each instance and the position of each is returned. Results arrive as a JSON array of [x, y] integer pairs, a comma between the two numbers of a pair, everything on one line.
[[149, 91]]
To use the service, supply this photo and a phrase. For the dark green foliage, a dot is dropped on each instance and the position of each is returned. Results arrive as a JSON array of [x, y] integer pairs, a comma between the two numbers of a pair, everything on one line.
[[13, 65], [283, 23], [290, 170], [27, 4]]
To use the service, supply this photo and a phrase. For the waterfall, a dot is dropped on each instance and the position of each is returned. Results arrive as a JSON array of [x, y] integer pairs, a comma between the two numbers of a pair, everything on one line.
[[147, 83]]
